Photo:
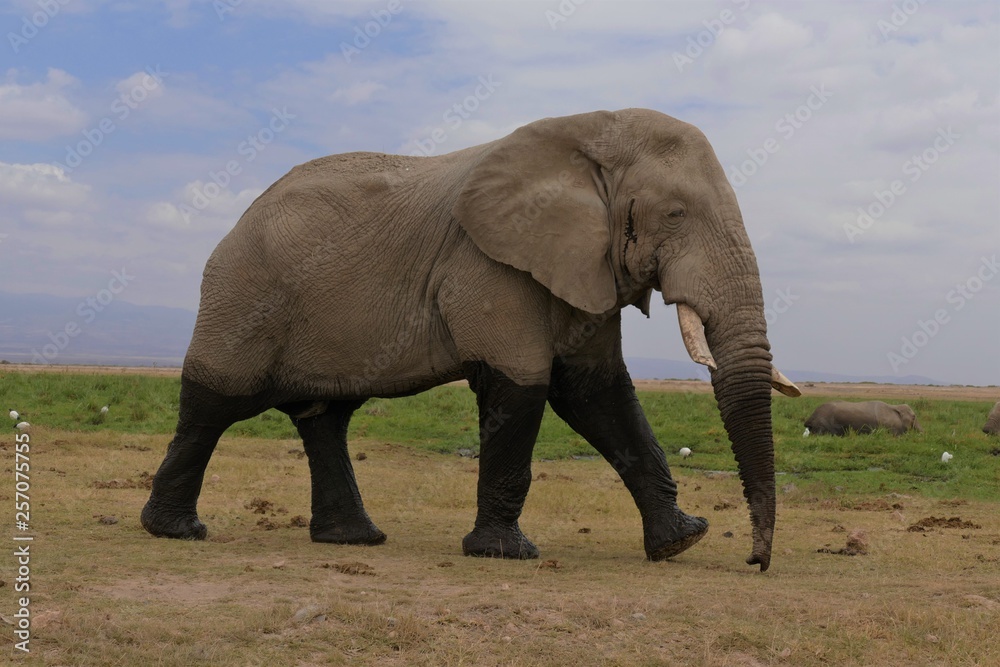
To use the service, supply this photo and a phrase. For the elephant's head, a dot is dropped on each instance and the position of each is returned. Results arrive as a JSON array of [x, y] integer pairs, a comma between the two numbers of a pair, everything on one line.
[[908, 418], [992, 425], [603, 207]]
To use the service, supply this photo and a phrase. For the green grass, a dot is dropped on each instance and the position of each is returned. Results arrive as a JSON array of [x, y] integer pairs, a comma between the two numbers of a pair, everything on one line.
[[445, 420]]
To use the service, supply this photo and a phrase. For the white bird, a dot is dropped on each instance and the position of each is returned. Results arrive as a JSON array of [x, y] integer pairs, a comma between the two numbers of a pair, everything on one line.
[[685, 452], [23, 426], [14, 415], [805, 433], [946, 457], [104, 410]]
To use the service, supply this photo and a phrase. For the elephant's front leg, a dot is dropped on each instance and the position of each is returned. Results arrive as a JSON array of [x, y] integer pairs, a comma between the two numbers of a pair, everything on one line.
[[600, 404], [338, 515], [509, 417]]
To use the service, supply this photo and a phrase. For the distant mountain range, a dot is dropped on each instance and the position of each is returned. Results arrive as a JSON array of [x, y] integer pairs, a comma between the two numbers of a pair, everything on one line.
[[39, 328]]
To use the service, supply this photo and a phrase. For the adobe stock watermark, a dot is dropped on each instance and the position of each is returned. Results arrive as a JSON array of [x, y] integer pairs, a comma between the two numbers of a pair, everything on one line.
[[781, 304], [121, 109], [786, 127], [248, 149], [703, 40], [914, 167], [455, 115], [87, 310], [562, 12], [32, 25], [224, 7], [368, 31], [957, 298], [901, 14]]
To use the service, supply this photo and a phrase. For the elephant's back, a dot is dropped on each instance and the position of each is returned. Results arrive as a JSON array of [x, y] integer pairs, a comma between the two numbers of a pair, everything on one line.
[[351, 164]]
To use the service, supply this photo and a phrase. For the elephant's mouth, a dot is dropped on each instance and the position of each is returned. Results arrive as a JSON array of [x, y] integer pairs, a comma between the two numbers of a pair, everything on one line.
[[693, 333]]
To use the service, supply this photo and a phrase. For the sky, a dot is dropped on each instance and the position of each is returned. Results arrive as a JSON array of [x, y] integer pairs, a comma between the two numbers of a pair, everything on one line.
[[862, 139]]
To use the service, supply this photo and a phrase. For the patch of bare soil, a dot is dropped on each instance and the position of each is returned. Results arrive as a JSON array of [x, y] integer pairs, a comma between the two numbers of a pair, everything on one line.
[[266, 524], [857, 545], [875, 505], [354, 567], [941, 522], [260, 506], [145, 481], [168, 588]]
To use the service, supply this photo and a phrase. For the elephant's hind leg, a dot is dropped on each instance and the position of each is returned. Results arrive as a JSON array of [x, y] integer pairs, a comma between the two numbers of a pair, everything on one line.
[[509, 418], [171, 510], [338, 515]]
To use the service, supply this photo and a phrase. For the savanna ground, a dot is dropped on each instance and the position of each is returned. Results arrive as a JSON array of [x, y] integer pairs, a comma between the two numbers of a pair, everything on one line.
[[923, 587]]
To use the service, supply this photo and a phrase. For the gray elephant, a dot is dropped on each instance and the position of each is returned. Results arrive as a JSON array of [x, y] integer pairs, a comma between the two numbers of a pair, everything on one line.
[[839, 417], [370, 275], [992, 425]]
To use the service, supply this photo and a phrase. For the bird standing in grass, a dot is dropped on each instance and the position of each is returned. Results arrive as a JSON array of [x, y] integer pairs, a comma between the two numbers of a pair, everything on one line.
[[14, 415], [104, 410], [685, 452]]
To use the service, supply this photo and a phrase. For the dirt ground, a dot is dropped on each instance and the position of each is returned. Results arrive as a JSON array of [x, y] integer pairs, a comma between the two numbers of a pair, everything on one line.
[[846, 389], [891, 579]]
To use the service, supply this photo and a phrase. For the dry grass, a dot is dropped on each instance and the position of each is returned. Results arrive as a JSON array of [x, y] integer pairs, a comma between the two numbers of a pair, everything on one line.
[[112, 595]]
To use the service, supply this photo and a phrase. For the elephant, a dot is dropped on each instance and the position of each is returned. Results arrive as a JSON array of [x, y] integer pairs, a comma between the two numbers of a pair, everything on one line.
[[507, 264], [839, 417], [992, 425]]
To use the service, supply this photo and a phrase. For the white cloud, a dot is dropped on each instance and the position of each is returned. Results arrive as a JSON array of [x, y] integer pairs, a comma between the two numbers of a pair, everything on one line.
[[141, 86], [40, 186], [39, 111], [201, 207], [771, 35], [358, 92]]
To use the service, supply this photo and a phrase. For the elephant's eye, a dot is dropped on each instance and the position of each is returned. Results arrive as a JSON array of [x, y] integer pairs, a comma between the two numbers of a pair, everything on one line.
[[676, 213]]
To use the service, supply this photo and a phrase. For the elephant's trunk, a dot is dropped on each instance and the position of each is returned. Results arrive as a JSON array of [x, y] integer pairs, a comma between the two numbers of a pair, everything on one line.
[[736, 340], [743, 391]]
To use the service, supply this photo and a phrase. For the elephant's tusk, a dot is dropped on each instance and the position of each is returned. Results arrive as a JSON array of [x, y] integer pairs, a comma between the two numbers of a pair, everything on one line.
[[693, 333], [783, 384]]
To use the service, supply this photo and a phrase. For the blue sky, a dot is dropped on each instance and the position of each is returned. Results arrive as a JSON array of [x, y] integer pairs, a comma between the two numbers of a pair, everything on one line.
[[818, 115]]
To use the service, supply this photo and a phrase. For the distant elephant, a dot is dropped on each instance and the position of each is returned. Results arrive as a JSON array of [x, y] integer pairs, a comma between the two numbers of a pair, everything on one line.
[[839, 417], [992, 425], [370, 275]]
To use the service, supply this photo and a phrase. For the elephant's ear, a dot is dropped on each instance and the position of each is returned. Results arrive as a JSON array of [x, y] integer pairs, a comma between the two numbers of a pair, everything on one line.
[[536, 200]]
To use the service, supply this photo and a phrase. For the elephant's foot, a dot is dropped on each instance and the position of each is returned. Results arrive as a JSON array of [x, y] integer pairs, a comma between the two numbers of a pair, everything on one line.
[[507, 542], [672, 537], [355, 532], [164, 521]]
